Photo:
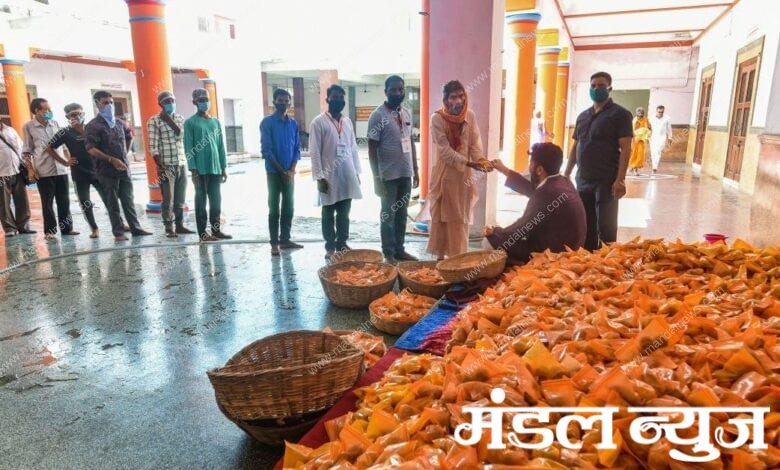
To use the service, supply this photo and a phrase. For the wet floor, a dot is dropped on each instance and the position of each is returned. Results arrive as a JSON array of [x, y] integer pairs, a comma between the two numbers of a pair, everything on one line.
[[104, 347]]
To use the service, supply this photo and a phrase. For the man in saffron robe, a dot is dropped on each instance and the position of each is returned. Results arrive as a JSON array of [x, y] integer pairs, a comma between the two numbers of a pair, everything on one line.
[[639, 145], [457, 151]]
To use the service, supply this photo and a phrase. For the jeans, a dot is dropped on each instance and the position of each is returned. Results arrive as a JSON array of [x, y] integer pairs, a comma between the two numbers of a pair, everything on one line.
[[13, 189], [173, 185], [280, 222], [119, 190], [208, 187], [335, 230], [395, 202], [85, 199], [601, 213], [53, 188]]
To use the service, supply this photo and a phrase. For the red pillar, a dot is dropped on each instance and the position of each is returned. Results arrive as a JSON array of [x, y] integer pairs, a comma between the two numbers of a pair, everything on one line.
[[16, 93], [211, 86], [153, 73]]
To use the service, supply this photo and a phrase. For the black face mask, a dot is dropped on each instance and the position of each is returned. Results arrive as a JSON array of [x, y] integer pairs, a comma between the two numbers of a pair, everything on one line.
[[336, 106], [281, 107], [395, 101]]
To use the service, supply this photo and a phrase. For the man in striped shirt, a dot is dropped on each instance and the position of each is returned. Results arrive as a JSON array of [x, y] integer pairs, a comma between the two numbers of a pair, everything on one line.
[[166, 144]]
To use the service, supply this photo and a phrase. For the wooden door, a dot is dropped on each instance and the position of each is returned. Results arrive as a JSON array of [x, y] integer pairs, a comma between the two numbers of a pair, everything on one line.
[[120, 106], [703, 117], [740, 117]]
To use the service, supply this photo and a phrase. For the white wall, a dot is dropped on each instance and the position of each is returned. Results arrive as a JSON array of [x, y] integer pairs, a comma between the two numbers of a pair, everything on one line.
[[745, 23], [374, 95], [669, 74], [183, 85], [62, 83]]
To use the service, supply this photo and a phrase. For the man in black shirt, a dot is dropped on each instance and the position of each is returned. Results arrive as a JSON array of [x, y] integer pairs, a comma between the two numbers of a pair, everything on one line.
[[601, 146], [82, 167], [105, 142]]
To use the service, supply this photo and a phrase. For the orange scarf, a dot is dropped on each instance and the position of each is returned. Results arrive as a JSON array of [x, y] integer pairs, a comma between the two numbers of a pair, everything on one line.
[[454, 124]]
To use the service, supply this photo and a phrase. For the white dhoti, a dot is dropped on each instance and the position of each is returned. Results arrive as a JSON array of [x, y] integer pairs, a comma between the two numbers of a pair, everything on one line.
[[657, 146]]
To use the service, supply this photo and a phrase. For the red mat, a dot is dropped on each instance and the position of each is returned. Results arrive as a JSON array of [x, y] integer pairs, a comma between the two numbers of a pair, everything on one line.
[[317, 435]]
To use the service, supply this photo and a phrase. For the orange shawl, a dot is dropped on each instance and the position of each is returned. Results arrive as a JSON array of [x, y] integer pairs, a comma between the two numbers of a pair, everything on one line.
[[454, 124]]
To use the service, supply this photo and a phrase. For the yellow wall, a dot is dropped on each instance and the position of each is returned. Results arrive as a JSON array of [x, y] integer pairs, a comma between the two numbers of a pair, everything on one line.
[[691, 146], [713, 160], [747, 177]]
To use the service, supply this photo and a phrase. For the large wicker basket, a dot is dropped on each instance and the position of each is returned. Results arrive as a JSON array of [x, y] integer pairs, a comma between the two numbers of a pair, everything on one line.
[[355, 296], [396, 327], [483, 264], [417, 287], [285, 375], [368, 256], [274, 432]]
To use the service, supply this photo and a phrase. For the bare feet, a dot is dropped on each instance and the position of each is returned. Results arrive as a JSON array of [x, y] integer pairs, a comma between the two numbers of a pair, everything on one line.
[[94, 234], [121, 238]]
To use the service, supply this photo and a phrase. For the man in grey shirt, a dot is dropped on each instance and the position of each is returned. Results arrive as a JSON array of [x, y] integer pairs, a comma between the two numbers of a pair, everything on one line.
[[393, 160]]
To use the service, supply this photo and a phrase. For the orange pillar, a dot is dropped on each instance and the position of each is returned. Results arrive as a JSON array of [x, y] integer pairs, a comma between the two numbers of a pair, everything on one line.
[[16, 92], [548, 74], [327, 78], [211, 87], [425, 90], [562, 96], [152, 73], [522, 30]]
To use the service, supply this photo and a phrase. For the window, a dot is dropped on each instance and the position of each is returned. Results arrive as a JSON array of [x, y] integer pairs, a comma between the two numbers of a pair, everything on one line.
[[232, 31], [224, 27], [203, 24], [45, 2]]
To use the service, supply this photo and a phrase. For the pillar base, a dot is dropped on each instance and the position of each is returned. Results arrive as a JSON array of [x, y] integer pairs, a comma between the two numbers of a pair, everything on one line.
[[154, 207]]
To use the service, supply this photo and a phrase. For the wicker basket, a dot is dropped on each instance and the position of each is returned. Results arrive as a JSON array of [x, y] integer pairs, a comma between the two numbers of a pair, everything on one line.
[[417, 287], [483, 264], [356, 296], [368, 256], [274, 432], [285, 375], [393, 327]]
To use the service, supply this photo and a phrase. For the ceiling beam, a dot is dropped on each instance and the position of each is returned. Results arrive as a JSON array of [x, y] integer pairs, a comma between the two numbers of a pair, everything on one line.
[[634, 45], [716, 20], [563, 19], [635, 33], [728, 6]]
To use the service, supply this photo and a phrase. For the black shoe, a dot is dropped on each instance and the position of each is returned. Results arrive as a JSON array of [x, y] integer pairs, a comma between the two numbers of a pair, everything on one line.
[[288, 245], [27, 231], [329, 254], [390, 260], [182, 230], [221, 235], [404, 256], [344, 248], [141, 233]]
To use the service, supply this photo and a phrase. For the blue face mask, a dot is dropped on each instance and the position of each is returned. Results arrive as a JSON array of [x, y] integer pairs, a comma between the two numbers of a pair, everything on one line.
[[107, 113], [599, 95], [169, 108], [203, 107], [48, 115]]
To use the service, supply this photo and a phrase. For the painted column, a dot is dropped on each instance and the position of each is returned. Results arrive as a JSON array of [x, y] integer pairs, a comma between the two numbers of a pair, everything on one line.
[[522, 30], [327, 78], [548, 78], [153, 74], [425, 110], [211, 86], [562, 96], [265, 94], [16, 92], [476, 26], [299, 106]]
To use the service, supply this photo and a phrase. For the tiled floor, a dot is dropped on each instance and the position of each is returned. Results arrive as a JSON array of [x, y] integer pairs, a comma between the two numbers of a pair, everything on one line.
[[104, 347]]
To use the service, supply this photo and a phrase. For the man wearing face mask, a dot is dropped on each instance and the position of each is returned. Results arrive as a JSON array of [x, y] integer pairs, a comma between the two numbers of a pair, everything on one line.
[[280, 147], [554, 217], [52, 169], [204, 147], [105, 142], [393, 160], [601, 146], [457, 153], [166, 144], [335, 165], [82, 166]]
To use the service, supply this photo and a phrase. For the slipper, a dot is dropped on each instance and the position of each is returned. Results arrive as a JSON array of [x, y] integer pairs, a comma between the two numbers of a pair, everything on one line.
[[93, 235]]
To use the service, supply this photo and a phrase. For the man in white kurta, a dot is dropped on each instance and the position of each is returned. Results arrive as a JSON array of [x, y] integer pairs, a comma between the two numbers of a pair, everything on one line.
[[457, 151], [661, 136], [335, 165]]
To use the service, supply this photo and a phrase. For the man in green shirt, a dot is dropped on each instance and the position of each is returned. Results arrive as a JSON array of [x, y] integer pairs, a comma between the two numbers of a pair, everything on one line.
[[206, 159]]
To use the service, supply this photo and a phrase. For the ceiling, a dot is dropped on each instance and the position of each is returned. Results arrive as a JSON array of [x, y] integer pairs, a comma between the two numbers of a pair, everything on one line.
[[619, 24]]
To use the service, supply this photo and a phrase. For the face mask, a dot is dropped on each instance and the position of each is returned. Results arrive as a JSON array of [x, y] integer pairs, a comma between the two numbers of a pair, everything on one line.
[[599, 95], [335, 106], [395, 101], [281, 108], [455, 109], [48, 115], [169, 108], [203, 107], [107, 112], [76, 120]]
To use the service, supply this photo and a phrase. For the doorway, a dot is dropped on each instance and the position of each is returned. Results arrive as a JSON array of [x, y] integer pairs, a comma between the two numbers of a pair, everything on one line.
[[740, 117], [705, 99]]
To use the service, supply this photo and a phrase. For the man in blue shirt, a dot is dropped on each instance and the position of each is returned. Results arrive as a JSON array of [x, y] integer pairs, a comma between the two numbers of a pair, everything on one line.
[[281, 150]]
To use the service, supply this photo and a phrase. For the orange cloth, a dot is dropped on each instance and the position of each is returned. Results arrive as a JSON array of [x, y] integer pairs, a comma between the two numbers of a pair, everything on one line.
[[639, 144]]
